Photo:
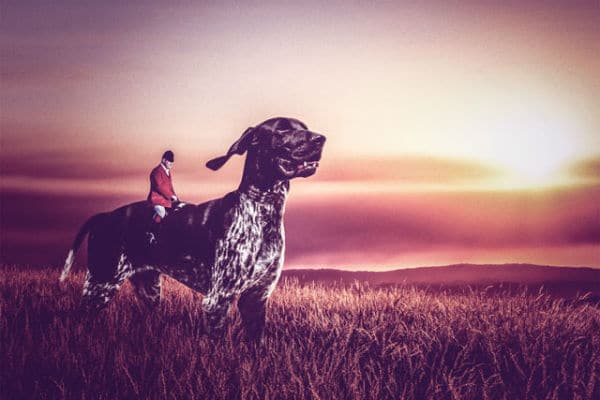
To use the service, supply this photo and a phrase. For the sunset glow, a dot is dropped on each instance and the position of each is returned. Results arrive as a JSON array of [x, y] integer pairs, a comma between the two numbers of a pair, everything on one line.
[[474, 125]]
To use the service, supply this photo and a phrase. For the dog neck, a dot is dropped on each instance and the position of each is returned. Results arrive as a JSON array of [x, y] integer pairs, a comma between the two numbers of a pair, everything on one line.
[[274, 194], [260, 184]]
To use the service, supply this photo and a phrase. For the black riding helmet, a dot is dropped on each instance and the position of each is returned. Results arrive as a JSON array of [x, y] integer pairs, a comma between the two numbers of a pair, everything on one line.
[[169, 156]]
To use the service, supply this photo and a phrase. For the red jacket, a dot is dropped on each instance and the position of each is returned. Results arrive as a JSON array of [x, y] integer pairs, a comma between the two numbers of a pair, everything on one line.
[[161, 187]]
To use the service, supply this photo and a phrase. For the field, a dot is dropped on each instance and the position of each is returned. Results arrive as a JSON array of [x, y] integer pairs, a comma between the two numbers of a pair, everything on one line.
[[322, 342]]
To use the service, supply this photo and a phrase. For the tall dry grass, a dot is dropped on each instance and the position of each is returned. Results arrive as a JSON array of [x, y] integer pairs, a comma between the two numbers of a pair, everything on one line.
[[321, 343]]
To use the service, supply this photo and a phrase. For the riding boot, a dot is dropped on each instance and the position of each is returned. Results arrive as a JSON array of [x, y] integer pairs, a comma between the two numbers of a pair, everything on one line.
[[154, 230]]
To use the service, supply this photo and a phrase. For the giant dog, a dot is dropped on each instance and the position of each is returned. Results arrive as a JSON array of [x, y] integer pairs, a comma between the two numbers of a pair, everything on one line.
[[223, 248]]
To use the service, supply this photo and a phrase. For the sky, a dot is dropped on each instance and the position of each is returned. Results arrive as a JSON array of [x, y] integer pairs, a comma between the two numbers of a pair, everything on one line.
[[458, 131]]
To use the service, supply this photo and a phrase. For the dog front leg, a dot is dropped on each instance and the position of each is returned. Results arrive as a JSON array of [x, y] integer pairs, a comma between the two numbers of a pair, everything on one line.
[[252, 305], [215, 306]]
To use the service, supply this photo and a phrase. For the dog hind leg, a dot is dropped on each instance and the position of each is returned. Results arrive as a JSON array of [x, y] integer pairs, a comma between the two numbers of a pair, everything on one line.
[[100, 288], [97, 294], [147, 286]]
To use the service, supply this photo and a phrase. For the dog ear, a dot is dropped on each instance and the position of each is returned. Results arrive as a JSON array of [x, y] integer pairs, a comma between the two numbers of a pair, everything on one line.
[[239, 147]]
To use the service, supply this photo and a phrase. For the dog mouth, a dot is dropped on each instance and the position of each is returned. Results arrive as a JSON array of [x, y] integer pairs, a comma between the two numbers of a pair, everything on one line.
[[292, 169]]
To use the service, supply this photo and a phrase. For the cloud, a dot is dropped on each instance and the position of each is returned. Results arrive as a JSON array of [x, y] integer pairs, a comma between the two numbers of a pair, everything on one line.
[[367, 227], [49, 152], [414, 169], [399, 222], [586, 168], [46, 151]]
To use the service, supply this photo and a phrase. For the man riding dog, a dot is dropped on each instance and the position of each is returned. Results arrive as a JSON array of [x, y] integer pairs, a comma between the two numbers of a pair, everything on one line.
[[162, 195], [229, 248]]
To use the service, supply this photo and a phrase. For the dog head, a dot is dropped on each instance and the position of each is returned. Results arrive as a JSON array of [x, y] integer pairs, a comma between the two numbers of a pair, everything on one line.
[[279, 148]]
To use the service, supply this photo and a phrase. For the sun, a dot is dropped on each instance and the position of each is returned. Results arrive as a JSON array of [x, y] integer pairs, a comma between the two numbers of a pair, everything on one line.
[[534, 150], [531, 140]]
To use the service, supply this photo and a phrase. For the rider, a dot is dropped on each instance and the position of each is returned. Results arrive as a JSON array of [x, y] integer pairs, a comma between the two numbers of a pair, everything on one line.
[[162, 195]]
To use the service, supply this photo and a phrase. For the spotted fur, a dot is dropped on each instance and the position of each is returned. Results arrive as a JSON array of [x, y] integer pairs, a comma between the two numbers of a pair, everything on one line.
[[224, 248]]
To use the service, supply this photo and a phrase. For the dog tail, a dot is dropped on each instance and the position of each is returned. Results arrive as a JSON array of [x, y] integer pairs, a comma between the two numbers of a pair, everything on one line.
[[83, 231]]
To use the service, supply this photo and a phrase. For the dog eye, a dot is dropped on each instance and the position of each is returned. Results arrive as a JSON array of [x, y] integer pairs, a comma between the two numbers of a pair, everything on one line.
[[277, 141]]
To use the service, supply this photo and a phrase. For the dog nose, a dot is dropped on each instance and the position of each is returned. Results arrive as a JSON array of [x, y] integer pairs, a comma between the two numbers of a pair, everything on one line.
[[318, 139]]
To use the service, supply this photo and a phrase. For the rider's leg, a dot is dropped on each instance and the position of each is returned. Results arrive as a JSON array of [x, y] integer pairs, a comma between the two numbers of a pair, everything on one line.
[[159, 213]]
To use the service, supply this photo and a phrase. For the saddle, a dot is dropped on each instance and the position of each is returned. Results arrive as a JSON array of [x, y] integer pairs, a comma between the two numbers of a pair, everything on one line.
[[177, 205]]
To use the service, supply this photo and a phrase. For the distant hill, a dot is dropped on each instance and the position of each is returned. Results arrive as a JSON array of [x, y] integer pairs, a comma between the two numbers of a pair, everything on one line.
[[565, 281]]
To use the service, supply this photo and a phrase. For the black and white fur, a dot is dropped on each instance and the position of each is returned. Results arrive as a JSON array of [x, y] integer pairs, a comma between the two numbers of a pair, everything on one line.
[[224, 248]]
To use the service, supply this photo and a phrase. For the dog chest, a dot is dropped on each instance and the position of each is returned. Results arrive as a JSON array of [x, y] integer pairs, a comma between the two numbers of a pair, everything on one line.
[[252, 242], [255, 226]]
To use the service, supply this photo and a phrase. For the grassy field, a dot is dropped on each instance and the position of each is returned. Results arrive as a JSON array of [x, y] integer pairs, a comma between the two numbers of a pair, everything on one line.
[[322, 342]]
